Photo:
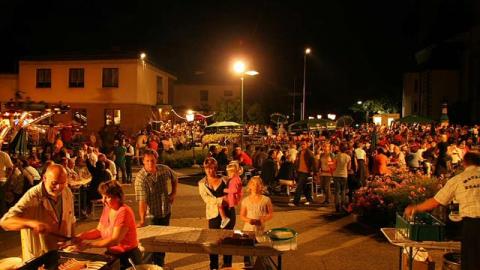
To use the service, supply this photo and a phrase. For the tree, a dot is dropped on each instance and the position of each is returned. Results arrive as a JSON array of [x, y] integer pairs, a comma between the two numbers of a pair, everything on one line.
[[255, 114], [368, 106], [228, 110]]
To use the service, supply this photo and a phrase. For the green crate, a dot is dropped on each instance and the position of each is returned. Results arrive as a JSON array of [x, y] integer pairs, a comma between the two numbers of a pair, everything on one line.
[[424, 227]]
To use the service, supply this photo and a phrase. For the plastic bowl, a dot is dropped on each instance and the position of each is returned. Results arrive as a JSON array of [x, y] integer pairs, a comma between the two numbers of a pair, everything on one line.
[[146, 267]]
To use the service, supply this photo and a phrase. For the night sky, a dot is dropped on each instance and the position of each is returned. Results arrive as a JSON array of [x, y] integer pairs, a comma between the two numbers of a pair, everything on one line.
[[360, 48]]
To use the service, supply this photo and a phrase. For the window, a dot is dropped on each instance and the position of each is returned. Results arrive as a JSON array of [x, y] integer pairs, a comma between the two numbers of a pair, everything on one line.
[[228, 93], [76, 77], [112, 117], [110, 77], [203, 95], [44, 78], [80, 116]]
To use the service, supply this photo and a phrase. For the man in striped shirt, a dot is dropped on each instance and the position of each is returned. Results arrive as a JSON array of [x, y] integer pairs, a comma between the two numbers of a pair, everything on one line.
[[151, 190]]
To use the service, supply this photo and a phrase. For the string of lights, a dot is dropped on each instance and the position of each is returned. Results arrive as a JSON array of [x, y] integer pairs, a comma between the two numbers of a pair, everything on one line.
[[184, 118]]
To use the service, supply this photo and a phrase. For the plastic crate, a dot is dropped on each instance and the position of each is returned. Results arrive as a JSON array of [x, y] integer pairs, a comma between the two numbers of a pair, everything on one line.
[[424, 227]]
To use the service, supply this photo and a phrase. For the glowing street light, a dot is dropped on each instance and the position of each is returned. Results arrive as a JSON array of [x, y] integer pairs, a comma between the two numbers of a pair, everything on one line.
[[241, 69], [359, 102], [307, 51], [143, 56], [251, 72], [190, 116]]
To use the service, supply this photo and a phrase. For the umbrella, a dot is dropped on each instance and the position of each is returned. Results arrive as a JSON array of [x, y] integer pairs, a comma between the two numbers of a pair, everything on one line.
[[345, 121], [19, 143], [224, 124], [224, 127]]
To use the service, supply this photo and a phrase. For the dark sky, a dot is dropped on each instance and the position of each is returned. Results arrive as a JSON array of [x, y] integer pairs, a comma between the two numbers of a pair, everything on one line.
[[360, 48]]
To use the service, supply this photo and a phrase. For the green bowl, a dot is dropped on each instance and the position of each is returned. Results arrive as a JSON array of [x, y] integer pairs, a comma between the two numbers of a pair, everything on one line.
[[273, 234]]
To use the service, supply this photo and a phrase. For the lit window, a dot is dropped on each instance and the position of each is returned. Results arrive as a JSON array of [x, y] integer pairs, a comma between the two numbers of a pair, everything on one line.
[[377, 120], [44, 78], [110, 77], [112, 117], [76, 78]]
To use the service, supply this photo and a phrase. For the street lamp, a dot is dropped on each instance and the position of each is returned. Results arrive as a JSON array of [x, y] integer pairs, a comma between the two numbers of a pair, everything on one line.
[[240, 67], [359, 102], [307, 51], [190, 116]]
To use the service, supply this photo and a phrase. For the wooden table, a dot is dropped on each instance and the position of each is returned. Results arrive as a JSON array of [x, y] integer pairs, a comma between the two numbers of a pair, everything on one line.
[[397, 239], [156, 238]]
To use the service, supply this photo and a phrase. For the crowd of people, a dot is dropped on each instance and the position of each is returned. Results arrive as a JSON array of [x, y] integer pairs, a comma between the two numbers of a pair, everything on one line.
[[35, 188]]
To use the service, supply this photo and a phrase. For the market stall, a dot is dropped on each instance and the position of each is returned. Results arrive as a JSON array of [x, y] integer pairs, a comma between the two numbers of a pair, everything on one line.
[[219, 132]]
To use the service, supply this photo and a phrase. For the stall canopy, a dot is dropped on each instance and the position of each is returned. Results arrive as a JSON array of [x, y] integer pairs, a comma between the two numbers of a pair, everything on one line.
[[224, 124], [416, 119], [345, 121], [223, 127]]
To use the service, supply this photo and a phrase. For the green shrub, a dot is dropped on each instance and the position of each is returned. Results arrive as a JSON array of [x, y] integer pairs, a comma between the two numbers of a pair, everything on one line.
[[183, 158]]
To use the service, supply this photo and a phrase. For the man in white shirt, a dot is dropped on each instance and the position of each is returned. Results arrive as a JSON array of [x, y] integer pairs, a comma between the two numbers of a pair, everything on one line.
[[128, 159], [361, 157], [47, 207], [465, 188]]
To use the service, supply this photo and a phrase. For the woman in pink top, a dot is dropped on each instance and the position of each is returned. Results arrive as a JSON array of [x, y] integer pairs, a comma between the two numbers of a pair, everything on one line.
[[116, 229]]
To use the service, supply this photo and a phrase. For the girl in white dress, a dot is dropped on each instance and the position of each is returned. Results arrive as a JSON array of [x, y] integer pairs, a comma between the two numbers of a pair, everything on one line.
[[256, 209]]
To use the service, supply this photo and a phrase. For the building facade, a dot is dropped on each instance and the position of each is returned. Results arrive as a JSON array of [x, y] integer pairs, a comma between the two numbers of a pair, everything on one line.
[[448, 64], [204, 97], [126, 92], [424, 92]]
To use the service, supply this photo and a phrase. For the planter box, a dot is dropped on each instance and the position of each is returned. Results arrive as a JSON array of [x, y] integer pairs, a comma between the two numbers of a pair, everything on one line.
[[424, 227]]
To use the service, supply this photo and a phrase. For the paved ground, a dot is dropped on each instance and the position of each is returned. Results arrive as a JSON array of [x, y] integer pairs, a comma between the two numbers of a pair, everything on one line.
[[326, 241]]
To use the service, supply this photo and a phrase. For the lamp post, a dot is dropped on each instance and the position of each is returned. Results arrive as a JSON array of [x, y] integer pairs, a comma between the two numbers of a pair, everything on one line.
[[239, 67], [307, 51], [190, 116]]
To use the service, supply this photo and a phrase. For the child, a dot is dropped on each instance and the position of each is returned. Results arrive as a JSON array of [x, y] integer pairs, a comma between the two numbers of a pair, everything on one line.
[[256, 209], [234, 191]]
